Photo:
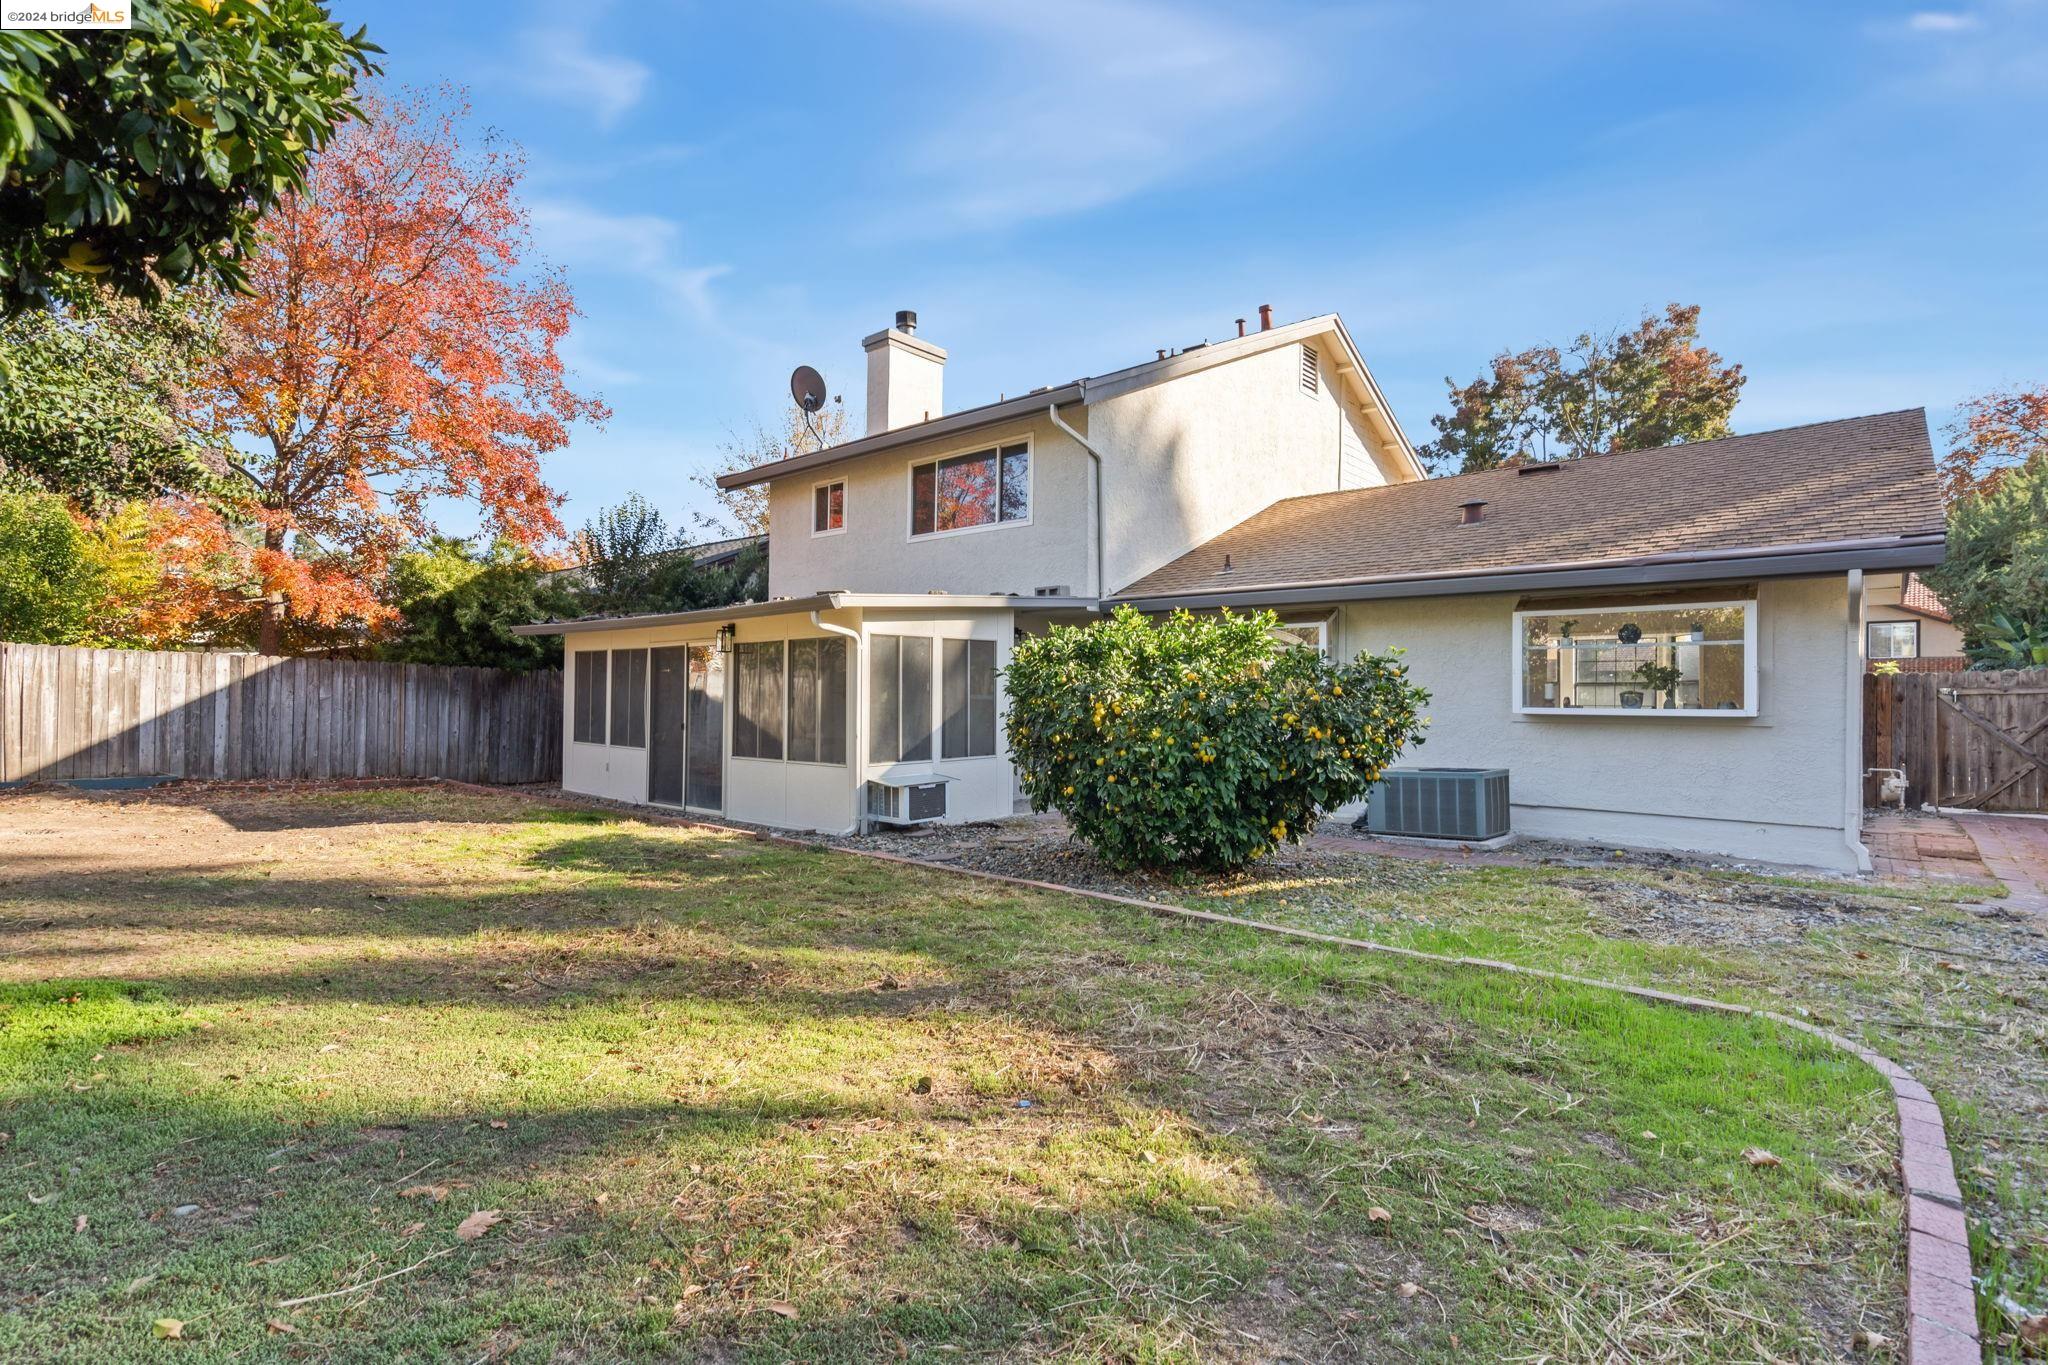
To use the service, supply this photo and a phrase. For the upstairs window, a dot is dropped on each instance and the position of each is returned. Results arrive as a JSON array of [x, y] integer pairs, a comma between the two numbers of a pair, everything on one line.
[[1894, 639], [1662, 659], [590, 683], [967, 492], [828, 508]]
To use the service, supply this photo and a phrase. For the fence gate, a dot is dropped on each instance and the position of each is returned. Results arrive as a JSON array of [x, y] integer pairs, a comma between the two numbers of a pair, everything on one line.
[[1976, 741]]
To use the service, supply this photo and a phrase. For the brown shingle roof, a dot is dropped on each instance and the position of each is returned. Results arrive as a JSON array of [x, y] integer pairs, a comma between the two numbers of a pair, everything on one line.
[[1859, 478]]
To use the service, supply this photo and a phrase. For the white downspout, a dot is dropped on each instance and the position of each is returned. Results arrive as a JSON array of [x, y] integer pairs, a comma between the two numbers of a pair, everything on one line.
[[1852, 826], [856, 742], [1094, 455]]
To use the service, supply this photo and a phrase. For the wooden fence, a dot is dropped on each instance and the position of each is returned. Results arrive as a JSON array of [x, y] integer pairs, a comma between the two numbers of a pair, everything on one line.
[[68, 713], [1972, 740]]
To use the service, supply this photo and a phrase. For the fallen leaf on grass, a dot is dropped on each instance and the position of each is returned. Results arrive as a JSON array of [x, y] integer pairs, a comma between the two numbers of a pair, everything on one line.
[[499, 1123], [279, 1325], [1376, 1214], [434, 1192], [478, 1223], [781, 1309], [2034, 1330], [42, 1198], [1870, 1341], [78, 1224], [1407, 1289], [168, 1329], [1758, 1156]]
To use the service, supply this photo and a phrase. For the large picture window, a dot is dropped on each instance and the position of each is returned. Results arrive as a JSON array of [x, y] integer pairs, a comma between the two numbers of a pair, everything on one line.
[[1663, 659], [757, 708], [965, 492], [817, 701], [899, 699], [1894, 639], [629, 698], [969, 686], [588, 727]]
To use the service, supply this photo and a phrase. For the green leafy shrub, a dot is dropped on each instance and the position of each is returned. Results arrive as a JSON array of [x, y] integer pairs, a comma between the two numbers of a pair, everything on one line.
[[1995, 579], [1197, 741]]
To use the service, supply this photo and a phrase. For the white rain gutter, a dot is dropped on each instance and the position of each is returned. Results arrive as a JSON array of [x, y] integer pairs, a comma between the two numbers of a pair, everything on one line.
[[1095, 589], [854, 736], [1852, 740]]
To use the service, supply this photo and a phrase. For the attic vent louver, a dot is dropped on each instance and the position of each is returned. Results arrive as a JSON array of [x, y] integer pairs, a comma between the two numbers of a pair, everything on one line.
[[1311, 375]]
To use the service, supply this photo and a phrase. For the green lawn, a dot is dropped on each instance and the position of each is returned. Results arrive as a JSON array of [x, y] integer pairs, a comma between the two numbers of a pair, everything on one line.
[[734, 1101], [1959, 994]]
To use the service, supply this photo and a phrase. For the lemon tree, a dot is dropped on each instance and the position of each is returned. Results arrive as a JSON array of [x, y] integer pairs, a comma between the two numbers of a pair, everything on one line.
[[1198, 740]]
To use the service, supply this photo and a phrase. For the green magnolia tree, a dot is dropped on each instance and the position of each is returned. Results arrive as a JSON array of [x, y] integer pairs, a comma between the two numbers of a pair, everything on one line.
[[95, 399], [1198, 741], [458, 606], [143, 158], [1995, 579], [1652, 385]]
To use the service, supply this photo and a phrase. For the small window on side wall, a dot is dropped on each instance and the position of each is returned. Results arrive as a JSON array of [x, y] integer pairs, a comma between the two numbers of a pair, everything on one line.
[[1303, 635], [828, 508], [1650, 659], [1894, 639]]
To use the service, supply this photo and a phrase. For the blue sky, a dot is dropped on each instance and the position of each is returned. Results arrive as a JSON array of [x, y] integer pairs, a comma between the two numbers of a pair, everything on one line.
[[1856, 194]]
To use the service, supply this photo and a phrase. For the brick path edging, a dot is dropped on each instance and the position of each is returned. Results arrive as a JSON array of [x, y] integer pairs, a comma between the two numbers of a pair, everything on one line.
[[1941, 1302]]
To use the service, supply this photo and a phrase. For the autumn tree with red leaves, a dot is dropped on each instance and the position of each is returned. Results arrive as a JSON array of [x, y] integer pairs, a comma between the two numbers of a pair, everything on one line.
[[398, 349], [1994, 434], [1651, 385]]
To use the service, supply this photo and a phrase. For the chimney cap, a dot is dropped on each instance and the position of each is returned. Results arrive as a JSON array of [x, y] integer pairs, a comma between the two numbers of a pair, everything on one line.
[[906, 320]]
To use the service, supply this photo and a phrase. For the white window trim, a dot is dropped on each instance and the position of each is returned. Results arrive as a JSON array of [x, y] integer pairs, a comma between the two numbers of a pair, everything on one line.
[[1749, 669], [1882, 658], [838, 530], [911, 537]]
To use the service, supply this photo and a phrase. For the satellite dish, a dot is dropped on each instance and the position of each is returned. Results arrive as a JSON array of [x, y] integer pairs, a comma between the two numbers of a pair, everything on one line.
[[807, 387]]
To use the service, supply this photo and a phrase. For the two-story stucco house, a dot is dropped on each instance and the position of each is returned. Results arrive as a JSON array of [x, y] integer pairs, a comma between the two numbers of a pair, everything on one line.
[[1267, 471]]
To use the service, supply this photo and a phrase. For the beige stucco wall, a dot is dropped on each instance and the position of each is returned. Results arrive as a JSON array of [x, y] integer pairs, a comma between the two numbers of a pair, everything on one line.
[[876, 553], [1772, 787], [1190, 458], [1938, 639], [779, 792]]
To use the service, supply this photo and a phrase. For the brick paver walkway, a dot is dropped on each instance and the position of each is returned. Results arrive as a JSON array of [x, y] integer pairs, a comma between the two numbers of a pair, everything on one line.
[[1907, 844], [2016, 850]]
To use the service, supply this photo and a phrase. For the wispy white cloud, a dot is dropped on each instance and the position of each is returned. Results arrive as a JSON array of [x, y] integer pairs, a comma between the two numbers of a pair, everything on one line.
[[644, 247], [1067, 106], [1942, 21], [558, 63]]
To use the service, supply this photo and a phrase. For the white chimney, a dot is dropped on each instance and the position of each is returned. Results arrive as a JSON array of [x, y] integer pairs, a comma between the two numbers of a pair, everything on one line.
[[905, 376]]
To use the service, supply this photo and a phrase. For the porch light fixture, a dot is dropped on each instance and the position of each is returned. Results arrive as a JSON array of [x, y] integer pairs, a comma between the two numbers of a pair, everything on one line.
[[725, 637]]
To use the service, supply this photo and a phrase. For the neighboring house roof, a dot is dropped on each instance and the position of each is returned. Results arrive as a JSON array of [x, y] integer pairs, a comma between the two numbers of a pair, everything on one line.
[[1349, 363], [822, 601], [1863, 488], [1923, 600]]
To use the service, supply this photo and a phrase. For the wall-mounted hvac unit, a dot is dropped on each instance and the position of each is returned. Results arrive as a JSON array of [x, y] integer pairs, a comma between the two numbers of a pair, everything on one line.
[[907, 803], [1466, 804]]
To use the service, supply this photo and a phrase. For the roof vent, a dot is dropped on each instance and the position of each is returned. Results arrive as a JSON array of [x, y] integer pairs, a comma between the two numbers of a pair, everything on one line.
[[1311, 376], [1473, 511], [1226, 565], [1539, 467]]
